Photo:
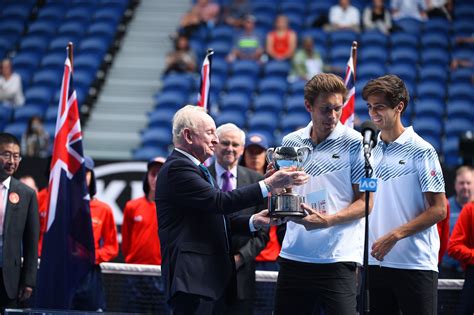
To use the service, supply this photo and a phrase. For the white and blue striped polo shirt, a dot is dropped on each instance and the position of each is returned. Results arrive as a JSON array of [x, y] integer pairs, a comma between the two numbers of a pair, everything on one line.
[[335, 164], [405, 169]]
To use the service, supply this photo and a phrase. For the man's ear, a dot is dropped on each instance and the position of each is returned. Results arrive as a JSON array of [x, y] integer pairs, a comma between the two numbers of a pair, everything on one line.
[[307, 105], [187, 135]]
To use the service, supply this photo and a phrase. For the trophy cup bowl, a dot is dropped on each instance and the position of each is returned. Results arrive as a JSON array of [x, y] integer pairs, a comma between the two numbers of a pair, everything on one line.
[[287, 203]]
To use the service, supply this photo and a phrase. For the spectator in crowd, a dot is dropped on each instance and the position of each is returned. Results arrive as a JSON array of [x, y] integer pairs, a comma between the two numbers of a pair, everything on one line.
[[461, 247], [11, 91], [140, 242], [30, 182], [245, 247], [344, 16], [439, 8], [415, 9], [19, 229], [281, 42], [443, 232], [248, 44], [320, 252], [90, 295], [306, 62], [182, 59], [35, 140], [377, 17], [204, 12], [464, 193], [234, 12], [408, 203], [198, 271], [43, 198]]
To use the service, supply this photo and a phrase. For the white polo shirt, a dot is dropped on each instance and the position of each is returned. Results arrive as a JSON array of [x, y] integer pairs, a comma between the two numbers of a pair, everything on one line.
[[335, 164], [405, 169]]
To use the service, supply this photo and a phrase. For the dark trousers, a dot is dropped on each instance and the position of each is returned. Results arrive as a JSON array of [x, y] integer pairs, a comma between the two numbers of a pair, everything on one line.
[[186, 304], [5, 301], [306, 288], [466, 305], [90, 295], [400, 290]]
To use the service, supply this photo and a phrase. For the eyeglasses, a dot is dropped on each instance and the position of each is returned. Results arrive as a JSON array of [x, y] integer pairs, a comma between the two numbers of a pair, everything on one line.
[[8, 156]]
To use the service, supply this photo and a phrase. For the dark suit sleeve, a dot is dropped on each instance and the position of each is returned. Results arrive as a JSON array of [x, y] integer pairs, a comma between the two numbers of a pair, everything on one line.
[[30, 243], [191, 191]]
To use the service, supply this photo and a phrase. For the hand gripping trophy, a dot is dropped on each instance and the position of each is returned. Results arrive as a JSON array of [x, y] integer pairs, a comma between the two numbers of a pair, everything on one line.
[[287, 203]]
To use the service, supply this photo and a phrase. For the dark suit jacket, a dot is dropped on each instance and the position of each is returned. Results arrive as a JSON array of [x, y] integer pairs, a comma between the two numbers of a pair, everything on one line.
[[20, 238], [195, 254], [247, 245]]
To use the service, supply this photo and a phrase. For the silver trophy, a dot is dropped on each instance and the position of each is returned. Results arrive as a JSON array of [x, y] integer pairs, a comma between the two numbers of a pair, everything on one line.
[[287, 203]]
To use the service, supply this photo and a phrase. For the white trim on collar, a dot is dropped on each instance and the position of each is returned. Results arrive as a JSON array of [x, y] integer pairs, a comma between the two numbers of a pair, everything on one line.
[[192, 158]]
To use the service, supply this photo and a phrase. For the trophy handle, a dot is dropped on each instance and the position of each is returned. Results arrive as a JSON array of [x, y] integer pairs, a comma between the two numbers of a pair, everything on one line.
[[269, 155], [303, 156]]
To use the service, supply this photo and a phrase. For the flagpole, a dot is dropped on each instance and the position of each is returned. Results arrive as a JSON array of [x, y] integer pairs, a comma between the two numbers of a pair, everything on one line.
[[70, 54], [354, 57]]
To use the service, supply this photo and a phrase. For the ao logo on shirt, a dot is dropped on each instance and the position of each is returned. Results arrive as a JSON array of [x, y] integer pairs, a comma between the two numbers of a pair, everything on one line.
[[368, 184]]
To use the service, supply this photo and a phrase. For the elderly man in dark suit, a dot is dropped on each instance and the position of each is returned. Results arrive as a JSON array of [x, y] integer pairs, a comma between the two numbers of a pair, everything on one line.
[[19, 228], [194, 234], [245, 247]]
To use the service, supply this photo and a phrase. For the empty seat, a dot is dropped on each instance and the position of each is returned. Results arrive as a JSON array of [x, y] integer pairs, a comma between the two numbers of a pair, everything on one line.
[[429, 107], [268, 102], [373, 39], [435, 56], [231, 116], [293, 121], [404, 54], [235, 101], [248, 67], [460, 109], [263, 121], [16, 128], [24, 113], [172, 100], [460, 92], [272, 85], [160, 137], [428, 126], [241, 84], [276, 68], [39, 95], [72, 28], [455, 127], [431, 90], [161, 117], [149, 152], [437, 73], [400, 39]]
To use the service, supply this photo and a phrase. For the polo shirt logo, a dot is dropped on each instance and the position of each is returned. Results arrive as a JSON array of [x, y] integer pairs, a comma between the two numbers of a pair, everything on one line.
[[335, 156], [401, 162]]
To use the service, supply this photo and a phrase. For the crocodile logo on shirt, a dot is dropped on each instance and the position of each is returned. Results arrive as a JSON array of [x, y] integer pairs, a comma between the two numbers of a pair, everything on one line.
[[401, 162], [335, 156]]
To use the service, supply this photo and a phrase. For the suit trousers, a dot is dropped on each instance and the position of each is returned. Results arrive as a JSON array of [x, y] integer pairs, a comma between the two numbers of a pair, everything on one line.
[[186, 303], [5, 301]]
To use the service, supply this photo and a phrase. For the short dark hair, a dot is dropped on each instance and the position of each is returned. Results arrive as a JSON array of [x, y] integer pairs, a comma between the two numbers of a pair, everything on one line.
[[324, 83], [8, 138], [391, 87]]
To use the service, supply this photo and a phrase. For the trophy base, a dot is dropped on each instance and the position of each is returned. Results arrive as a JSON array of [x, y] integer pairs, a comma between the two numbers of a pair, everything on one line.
[[282, 214]]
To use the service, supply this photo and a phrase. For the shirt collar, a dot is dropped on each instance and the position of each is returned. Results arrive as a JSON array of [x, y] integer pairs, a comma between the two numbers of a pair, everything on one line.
[[192, 158], [6, 182], [406, 135], [220, 170], [336, 133]]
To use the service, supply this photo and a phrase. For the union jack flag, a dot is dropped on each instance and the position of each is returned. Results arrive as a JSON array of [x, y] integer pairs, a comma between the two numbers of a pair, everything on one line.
[[203, 96], [347, 116], [68, 245]]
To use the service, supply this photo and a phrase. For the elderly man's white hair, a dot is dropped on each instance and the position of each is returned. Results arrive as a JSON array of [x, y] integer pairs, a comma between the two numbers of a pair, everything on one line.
[[186, 118], [229, 127]]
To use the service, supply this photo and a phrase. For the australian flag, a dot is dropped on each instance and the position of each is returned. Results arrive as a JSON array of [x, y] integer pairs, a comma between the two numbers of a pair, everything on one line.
[[68, 245]]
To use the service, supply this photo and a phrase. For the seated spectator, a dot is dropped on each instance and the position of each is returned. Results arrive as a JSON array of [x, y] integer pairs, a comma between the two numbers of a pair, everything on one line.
[[35, 140], [415, 9], [344, 16], [307, 61], [463, 62], [234, 13], [248, 44], [282, 41], [440, 8], [254, 156], [204, 12], [377, 17], [182, 59], [11, 91]]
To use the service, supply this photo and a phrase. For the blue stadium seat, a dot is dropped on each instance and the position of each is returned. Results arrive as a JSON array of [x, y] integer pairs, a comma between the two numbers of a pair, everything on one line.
[[293, 121], [460, 92], [178, 82], [52, 11], [48, 77], [373, 54], [111, 14], [219, 67], [463, 27], [19, 11], [295, 104], [72, 28], [431, 90], [11, 26], [231, 116], [263, 121], [171, 100], [451, 151], [434, 40], [59, 43], [149, 152], [295, 20], [249, 67], [87, 61], [6, 114], [241, 84], [273, 85], [461, 75], [409, 25], [223, 32], [455, 127], [435, 141], [159, 137], [39, 95], [297, 87], [51, 114], [436, 73], [435, 56], [405, 71], [293, 7], [370, 70], [460, 109], [83, 78], [29, 59], [340, 52], [318, 35], [36, 43], [428, 126], [373, 39], [437, 26], [235, 101], [102, 29], [54, 60], [342, 38], [400, 39], [24, 113], [429, 107], [221, 48], [404, 55], [79, 13], [161, 117], [16, 128], [94, 44], [42, 27], [276, 68], [268, 102]]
